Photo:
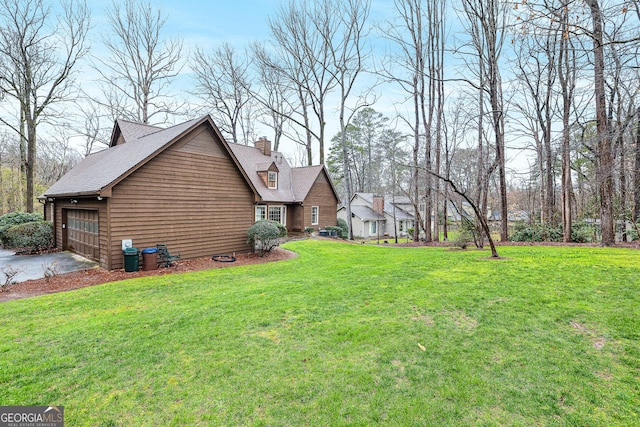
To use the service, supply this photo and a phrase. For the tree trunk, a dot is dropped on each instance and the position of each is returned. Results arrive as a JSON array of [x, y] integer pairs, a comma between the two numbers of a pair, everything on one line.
[[347, 177], [623, 188], [541, 187], [481, 200], [549, 179], [427, 151], [479, 215], [2, 192], [636, 172], [321, 139], [416, 147], [605, 158], [31, 162], [498, 120], [445, 213], [566, 77]]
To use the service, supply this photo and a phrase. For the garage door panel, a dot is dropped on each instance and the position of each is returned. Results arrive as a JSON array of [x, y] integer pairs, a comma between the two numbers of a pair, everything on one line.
[[83, 234]]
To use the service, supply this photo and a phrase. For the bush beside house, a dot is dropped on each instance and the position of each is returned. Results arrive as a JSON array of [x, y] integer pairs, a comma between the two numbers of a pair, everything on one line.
[[265, 235], [28, 231]]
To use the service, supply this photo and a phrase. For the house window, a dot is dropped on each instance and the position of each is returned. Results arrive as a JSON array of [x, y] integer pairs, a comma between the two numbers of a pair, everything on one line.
[[277, 213], [314, 215], [401, 225], [261, 213], [373, 227], [272, 179]]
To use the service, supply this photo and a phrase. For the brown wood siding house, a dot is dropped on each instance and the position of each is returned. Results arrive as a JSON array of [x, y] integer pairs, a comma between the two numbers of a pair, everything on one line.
[[296, 191], [183, 186], [320, 197]]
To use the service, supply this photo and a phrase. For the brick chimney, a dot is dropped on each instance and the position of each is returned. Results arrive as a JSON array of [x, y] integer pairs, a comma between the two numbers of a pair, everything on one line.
[[264, 145], [378, 205]]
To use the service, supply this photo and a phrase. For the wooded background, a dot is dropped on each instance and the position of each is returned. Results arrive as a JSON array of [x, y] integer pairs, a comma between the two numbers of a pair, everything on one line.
[[423, 98]]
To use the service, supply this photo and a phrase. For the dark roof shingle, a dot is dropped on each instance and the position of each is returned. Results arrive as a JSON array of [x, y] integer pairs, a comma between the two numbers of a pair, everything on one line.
[[97, 171]]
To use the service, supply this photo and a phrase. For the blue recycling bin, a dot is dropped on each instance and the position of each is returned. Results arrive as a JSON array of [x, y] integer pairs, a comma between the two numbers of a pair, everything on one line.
[[150, 259]]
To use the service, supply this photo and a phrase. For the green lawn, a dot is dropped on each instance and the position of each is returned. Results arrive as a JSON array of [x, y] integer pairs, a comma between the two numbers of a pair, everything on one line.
[[342, 335]]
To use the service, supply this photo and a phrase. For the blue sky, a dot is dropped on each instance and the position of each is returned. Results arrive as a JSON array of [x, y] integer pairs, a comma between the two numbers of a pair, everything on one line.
[[207, 24]]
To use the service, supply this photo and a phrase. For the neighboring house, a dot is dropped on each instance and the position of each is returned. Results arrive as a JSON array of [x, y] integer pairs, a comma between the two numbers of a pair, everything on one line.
[[373, 216], [183, 186], [456, 211]]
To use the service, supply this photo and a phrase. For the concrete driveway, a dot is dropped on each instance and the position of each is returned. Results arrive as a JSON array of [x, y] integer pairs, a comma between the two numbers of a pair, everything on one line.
[[33, 266]]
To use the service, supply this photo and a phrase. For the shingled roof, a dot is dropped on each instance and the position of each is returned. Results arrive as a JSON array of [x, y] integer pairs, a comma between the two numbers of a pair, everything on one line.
[[294, 184], [365, 213], [133, 144], [131, 130], [303, 179], [390, 201], [100, 170]]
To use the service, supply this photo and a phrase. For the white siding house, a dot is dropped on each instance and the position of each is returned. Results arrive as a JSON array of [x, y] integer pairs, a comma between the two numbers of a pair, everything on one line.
[[378, 216]]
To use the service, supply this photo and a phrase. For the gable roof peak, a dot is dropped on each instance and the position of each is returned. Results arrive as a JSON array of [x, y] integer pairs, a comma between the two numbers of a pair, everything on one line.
[[106, 168]]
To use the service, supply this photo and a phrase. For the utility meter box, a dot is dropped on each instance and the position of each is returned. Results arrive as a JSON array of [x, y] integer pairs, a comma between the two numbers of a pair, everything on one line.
[[127, 243]]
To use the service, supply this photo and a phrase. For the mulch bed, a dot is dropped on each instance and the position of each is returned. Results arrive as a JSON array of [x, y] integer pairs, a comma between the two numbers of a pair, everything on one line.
[[96, 276]]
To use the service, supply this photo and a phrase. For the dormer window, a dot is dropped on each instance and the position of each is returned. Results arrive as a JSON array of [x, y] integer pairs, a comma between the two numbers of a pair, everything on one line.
[[272, 180]]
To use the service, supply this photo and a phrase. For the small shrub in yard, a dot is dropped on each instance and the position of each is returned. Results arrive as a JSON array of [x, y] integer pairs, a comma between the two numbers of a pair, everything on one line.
[[282, 230], [265, 235], [337, 229], [344, 228], [525, 233], [462, 239], [50, 270], [9, 274], [582, 233], [309, 230], [32, 236]]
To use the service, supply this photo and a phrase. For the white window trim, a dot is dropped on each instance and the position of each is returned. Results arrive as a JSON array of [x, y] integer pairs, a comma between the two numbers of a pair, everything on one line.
[[275, 174], [317, 215], [373, 228], [283, 213], [263, 216]]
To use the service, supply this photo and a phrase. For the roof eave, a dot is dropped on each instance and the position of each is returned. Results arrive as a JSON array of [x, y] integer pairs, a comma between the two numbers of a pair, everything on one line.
[[73, 194]]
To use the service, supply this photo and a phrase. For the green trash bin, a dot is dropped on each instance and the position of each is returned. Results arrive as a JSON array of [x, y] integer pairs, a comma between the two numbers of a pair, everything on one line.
[[131, 259]]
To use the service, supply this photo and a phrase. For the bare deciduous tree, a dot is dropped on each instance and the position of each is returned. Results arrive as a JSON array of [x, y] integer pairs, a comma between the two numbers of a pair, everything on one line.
[[274, 96], [38, 57], [141, 65], [347, 54], [408, 69], [436, 11], [486, 23], [566, 63], [301, 35], [491, 16], [224, 83], [537, 72], [605, 158]]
